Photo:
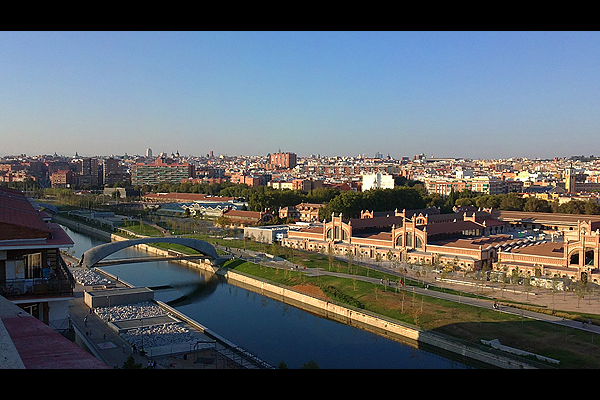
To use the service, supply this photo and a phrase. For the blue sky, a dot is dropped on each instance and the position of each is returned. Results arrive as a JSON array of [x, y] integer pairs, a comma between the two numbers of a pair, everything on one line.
[[446, 94]]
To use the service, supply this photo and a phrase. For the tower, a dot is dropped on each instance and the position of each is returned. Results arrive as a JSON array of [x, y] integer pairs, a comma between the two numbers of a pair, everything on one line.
[[570, 180]]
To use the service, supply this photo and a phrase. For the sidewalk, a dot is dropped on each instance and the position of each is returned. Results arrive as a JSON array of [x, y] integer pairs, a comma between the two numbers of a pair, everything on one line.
[[99, 338]]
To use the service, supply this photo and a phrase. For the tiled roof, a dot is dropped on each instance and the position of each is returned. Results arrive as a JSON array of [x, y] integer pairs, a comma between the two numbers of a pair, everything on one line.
[[16, 210], [451, 227], [242, 213], [34, 345], [360, 223], [186, 197]]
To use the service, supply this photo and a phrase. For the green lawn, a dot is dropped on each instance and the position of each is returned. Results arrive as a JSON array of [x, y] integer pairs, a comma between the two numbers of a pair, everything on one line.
[[573, 347]]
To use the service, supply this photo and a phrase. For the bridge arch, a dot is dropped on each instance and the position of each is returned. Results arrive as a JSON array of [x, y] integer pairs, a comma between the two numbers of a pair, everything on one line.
[[96, 254]]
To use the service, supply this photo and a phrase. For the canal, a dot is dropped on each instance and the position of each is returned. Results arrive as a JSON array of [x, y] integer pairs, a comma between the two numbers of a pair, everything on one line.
[[274, 331]]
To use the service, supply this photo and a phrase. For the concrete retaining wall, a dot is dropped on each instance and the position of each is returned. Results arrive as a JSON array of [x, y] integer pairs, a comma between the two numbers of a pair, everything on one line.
[[381, 326], [410, 335], [77, 226]]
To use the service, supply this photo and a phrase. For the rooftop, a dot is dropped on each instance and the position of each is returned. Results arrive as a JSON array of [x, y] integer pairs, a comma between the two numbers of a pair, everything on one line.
[[27, 343], [23, 219]]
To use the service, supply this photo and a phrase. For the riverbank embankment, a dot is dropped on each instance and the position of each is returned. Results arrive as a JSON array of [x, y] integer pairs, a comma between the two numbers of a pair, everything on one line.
[[358, 318]]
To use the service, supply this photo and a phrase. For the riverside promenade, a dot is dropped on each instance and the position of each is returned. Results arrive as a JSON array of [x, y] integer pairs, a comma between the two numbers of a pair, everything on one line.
[[207, 351], [543, 298]]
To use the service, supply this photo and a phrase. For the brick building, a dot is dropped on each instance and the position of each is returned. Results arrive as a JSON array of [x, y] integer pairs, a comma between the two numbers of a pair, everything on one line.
[[282, 160], [570, 247]]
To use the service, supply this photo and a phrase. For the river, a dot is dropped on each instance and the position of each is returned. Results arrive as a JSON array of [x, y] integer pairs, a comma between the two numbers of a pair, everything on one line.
[[274, 331]]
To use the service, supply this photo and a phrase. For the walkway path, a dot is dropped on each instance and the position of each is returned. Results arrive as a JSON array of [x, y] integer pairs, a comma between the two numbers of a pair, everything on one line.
[[543, 298]]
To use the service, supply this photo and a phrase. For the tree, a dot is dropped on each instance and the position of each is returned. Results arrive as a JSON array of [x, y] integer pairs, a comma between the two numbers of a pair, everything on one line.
[[572, 207], [464, 201], [131, 364], [512, 202], [591, 207], [533, 204], [310, 365], [223, 221], [350, 256]]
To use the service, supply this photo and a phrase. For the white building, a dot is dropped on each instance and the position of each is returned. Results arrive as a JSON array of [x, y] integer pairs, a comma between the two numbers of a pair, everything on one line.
[[377, 181], [464, 173]]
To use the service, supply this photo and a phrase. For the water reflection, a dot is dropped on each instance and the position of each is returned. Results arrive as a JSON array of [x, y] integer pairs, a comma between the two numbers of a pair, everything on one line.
[[197, 292]]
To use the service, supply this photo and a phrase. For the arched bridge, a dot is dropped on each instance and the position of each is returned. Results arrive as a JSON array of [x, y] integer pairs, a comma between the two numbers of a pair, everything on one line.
[[95, 254]]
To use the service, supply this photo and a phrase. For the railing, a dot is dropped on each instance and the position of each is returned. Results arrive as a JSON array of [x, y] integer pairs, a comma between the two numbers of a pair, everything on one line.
[[60, 285], [17, 288]]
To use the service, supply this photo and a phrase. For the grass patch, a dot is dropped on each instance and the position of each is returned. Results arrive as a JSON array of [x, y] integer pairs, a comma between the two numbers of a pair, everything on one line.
[[142, 229], [573, 347]]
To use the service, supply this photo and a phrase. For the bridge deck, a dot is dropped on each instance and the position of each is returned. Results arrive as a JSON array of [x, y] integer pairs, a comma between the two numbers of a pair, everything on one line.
[[130, 260], [94, 255]]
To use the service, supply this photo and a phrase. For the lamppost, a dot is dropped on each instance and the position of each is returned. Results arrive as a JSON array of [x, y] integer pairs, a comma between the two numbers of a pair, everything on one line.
[[142, 333]]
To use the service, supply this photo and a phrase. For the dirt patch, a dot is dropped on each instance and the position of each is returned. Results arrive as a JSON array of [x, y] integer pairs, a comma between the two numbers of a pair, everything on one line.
[[311, 290]]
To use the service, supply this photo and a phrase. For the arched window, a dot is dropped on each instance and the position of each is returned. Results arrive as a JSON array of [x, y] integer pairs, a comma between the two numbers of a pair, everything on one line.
[[399, 241], [409, 239], [574, 259], [589, 257], [418, 242]]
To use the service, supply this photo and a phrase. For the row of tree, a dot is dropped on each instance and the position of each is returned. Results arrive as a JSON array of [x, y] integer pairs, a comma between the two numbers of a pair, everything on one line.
[[514, 202], [409, 195]]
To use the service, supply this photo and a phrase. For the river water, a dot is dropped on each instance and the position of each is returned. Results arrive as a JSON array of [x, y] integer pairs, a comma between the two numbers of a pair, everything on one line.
[[274, 331]]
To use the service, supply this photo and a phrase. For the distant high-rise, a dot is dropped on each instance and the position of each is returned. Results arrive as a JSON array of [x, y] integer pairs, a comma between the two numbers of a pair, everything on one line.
[[148, 152], [113, 172]]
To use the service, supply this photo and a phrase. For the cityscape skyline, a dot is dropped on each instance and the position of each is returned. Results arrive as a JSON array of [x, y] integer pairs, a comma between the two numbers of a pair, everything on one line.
[[449, 94]]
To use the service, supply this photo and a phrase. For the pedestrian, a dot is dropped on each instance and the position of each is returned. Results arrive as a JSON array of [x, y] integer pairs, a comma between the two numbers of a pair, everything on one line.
[[85, 320]]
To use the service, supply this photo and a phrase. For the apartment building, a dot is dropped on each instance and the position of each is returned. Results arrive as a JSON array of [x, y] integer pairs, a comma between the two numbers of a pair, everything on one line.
[[33, 274], [281, 160], [481, 184], [162, 170]]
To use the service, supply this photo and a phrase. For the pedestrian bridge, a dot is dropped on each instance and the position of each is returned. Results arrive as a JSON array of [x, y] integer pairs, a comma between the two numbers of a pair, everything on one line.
[[94, 255]]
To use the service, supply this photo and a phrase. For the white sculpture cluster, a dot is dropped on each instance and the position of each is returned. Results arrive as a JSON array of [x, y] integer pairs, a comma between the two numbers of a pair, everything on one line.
[[159, 335], [130, 311], [147, 336], [87, 277]]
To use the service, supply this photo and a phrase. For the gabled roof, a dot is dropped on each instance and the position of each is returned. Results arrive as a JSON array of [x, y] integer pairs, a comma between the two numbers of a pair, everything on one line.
[[451, 227], [387, 222]]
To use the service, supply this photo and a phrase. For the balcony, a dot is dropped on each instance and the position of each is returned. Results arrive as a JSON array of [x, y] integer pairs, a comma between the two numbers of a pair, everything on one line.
[[59, 284]]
